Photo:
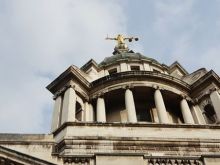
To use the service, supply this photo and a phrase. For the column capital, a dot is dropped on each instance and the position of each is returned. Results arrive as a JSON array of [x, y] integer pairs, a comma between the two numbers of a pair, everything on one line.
[[61, 91], [129, 86], [71, 86], [57, 94], [100, 94], [87, 99], [183, 96], [157, 87], [213, 89], [187, 98], [195, 101]]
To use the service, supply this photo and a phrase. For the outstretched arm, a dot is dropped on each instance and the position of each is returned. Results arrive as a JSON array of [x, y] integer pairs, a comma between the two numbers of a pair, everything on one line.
[[127, 38], [131, 38], [109, 38]]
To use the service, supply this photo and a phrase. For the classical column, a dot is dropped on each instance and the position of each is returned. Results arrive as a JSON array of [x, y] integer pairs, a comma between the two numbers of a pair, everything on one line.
[[56, 113], [91, 112], [86, 111], [69, 105], [101, 115], [130, 107], [215, 98], [160, 106], [197, 114], [187, 115]]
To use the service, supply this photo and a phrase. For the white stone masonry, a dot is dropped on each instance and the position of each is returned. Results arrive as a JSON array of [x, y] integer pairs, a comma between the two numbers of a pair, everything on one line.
[[161, 109], [130, 106]]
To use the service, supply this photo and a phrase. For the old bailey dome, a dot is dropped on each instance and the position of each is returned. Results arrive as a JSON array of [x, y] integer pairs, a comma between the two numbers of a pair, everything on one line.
[[129, 109]]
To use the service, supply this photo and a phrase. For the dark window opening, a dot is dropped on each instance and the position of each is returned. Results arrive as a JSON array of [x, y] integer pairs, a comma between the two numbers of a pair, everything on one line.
[[143, 114], [157, 71], [112, 71], [79, 112], [210, 113], [135, 67]]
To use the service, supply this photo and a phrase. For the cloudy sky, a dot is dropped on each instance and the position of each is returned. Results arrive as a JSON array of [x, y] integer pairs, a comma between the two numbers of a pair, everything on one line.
[[40, 39]]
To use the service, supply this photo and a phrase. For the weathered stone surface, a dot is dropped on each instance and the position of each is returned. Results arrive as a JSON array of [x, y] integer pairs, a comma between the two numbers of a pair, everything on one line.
[[107, 114]]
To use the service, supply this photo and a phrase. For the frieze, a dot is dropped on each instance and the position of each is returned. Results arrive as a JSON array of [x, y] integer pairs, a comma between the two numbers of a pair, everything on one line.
[[173, 161], [81, 160]]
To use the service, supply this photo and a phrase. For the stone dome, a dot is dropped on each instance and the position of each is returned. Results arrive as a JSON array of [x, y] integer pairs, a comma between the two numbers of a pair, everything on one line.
[[127, 56]]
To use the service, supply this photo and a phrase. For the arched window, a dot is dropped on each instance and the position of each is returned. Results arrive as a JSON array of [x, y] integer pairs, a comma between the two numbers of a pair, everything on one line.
[[210, 114]]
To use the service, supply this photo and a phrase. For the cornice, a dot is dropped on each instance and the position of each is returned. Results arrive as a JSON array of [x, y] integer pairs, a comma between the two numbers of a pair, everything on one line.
[[211, 75], [69, 74], [15, 155], [147, 124], [89, 64], [139, 75]]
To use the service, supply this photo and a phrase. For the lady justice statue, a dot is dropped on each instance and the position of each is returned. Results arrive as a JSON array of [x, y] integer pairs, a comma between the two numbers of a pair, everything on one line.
[[121, 46]]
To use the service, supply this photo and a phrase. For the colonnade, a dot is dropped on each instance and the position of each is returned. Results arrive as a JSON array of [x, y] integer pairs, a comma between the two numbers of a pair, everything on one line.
[[159, 103], [64, 110]]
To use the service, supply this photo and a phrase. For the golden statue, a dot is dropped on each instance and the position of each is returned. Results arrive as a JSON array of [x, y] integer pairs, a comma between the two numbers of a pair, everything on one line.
[[121, 46], [121, 39]]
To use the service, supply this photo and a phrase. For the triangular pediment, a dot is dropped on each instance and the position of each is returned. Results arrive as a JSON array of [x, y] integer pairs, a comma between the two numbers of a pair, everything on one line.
[[177, 70], [9, 156], [91, 63], [196, 75], [71, 73]]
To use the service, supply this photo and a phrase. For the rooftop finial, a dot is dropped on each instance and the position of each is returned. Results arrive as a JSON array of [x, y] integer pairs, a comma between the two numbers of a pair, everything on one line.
[[121, 46]]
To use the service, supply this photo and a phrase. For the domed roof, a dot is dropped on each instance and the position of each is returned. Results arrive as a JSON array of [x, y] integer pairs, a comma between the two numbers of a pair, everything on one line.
[[127, 56]]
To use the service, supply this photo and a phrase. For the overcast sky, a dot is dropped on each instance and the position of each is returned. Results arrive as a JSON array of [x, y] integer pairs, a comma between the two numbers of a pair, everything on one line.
[[39, 39]]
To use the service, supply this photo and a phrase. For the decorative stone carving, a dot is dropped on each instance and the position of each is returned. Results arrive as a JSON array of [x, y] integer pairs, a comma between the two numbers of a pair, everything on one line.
[[77, 160], [173, 161], [62, 90]]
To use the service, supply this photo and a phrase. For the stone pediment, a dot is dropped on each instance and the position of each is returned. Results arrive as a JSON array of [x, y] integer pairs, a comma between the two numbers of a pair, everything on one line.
[[9, 156], [89, 64], [72, 73], [177, 70], [193, 77]]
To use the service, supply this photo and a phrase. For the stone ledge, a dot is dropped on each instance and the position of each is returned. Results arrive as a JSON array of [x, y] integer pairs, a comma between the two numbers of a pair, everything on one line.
[[26, 138], [142, 124]]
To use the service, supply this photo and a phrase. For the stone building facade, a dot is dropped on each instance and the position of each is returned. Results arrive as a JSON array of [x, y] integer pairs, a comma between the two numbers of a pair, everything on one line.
[[130, 110]]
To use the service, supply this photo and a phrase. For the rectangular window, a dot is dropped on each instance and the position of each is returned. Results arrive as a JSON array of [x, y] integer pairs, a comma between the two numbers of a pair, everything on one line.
[[112, 71], [135, 67]]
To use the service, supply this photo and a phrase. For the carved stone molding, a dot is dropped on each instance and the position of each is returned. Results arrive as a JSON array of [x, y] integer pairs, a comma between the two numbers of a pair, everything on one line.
[[173, 161], [212, 90], [100, 94], [157, 87], [5, 161], [187, 98], [81, 160], [62, 90], [129, 86]]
